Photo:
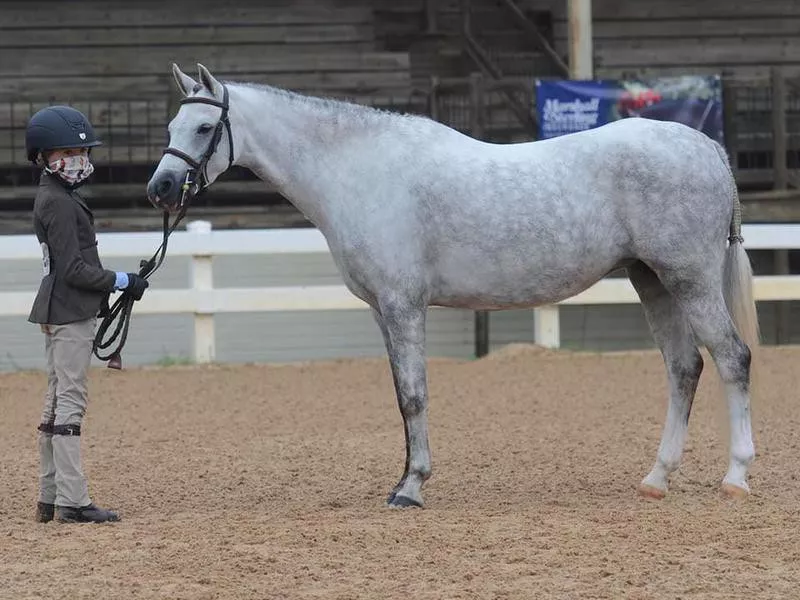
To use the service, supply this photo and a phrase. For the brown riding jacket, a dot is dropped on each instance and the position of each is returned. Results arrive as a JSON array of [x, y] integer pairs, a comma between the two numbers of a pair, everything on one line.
[[74, 283]]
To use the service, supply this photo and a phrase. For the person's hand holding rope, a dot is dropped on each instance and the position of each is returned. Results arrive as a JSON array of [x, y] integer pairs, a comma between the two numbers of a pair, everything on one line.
[[136, 286]]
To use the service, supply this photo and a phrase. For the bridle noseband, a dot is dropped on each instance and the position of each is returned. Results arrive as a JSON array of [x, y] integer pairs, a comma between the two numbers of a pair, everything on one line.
[[196, 177]]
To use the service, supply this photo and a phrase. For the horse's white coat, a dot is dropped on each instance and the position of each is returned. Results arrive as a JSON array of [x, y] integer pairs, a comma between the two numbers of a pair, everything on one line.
[[418, 214]]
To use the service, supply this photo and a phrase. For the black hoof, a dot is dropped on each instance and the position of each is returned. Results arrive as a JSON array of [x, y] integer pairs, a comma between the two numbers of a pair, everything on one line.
[[402, 502]]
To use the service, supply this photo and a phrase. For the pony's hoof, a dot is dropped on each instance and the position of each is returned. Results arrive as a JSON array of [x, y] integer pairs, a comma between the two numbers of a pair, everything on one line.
[[649, 491], [734, 492], [395, 501]]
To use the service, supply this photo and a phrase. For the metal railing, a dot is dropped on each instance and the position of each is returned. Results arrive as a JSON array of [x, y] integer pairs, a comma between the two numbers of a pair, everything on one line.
[[482, 56], [133, 134], [757, 129], [477, 106], [762, 123]]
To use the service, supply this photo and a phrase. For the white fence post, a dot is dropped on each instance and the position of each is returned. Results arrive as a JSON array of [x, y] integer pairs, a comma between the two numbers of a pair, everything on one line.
[[546, 327], [202, 282]]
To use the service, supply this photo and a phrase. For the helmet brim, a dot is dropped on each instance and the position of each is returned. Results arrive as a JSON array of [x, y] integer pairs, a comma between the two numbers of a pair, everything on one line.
[[80, 145]]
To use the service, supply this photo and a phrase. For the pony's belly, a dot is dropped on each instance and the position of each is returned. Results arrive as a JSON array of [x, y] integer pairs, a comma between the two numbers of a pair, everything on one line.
[[476, 303], [487, 289], [507, 297]]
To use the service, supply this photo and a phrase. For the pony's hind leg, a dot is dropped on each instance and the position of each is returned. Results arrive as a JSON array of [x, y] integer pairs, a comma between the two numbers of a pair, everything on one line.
[[403, 329], [673, 335], [701, 299]]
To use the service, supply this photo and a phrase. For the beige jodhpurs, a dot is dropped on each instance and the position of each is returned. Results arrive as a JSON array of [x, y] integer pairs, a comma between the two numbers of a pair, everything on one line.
[[69, 353]]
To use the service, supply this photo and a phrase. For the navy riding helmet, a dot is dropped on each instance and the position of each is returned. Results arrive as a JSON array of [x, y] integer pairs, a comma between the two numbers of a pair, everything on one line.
[[58, 127]]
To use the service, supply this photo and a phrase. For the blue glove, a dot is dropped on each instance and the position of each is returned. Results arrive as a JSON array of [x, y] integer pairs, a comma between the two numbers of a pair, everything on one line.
[[122, 281]]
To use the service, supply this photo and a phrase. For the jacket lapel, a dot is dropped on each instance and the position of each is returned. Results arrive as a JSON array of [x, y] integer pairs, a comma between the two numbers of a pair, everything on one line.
[[82, 204], [49, 180]]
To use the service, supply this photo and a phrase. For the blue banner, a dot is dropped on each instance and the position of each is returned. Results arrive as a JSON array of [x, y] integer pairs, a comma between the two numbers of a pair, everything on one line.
[[566, 106]]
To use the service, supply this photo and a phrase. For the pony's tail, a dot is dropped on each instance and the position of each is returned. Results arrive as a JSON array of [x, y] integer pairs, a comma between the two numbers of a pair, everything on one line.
[[738, 273], [738, 282]]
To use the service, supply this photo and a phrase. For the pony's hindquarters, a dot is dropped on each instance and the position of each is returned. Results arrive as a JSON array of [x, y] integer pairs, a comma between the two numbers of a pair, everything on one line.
[[712, 288]]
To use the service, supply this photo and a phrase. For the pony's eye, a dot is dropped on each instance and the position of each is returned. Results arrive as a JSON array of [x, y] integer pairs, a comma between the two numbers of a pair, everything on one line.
[[205, 128]]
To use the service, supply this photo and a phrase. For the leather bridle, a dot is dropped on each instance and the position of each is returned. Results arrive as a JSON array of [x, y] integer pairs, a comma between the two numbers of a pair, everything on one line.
[[196, 176]]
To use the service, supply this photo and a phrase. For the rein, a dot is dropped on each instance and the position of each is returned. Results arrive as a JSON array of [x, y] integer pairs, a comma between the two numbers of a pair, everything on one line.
[[195, 183], [122, 308]]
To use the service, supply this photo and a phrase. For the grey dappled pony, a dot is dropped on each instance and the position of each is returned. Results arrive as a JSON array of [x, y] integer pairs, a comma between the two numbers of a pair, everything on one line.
[[417, 214]]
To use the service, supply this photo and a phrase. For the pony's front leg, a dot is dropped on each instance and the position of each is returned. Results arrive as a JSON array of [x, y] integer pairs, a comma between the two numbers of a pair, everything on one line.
[[403, 328]]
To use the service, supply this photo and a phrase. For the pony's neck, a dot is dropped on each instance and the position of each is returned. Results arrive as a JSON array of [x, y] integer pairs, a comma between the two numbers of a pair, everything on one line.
[[294, 142]]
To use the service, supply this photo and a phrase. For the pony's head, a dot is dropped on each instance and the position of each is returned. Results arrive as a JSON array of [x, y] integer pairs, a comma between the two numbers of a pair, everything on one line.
[[200, 146]]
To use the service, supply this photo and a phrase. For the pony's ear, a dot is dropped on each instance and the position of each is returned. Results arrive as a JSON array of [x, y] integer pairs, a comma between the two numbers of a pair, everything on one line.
[[185, 83], [209, 82]]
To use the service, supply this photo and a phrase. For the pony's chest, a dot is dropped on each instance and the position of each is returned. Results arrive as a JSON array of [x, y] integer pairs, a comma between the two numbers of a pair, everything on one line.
[[355, 271]]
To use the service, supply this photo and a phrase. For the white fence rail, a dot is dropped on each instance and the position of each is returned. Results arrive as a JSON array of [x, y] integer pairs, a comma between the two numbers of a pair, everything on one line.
[[204, 301]]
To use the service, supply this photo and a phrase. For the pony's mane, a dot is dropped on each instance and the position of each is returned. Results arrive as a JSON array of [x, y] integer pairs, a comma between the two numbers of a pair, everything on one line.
[[339, 106]]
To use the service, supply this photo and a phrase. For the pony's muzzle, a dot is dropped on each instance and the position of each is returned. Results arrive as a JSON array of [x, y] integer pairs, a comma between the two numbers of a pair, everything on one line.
[[164, 190]]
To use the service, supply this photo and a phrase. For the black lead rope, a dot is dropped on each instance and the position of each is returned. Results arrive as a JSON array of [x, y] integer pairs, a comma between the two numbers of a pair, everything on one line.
[[120, 312]]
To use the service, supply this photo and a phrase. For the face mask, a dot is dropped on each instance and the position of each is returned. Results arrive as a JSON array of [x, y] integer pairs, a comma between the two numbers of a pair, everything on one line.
[[71, 169]]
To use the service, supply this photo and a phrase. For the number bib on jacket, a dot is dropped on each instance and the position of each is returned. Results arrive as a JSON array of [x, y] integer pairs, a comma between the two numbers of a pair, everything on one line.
[[45, 260]]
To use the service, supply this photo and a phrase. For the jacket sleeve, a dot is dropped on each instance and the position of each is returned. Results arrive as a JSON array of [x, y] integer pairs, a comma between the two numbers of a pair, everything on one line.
[[60, 223]]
